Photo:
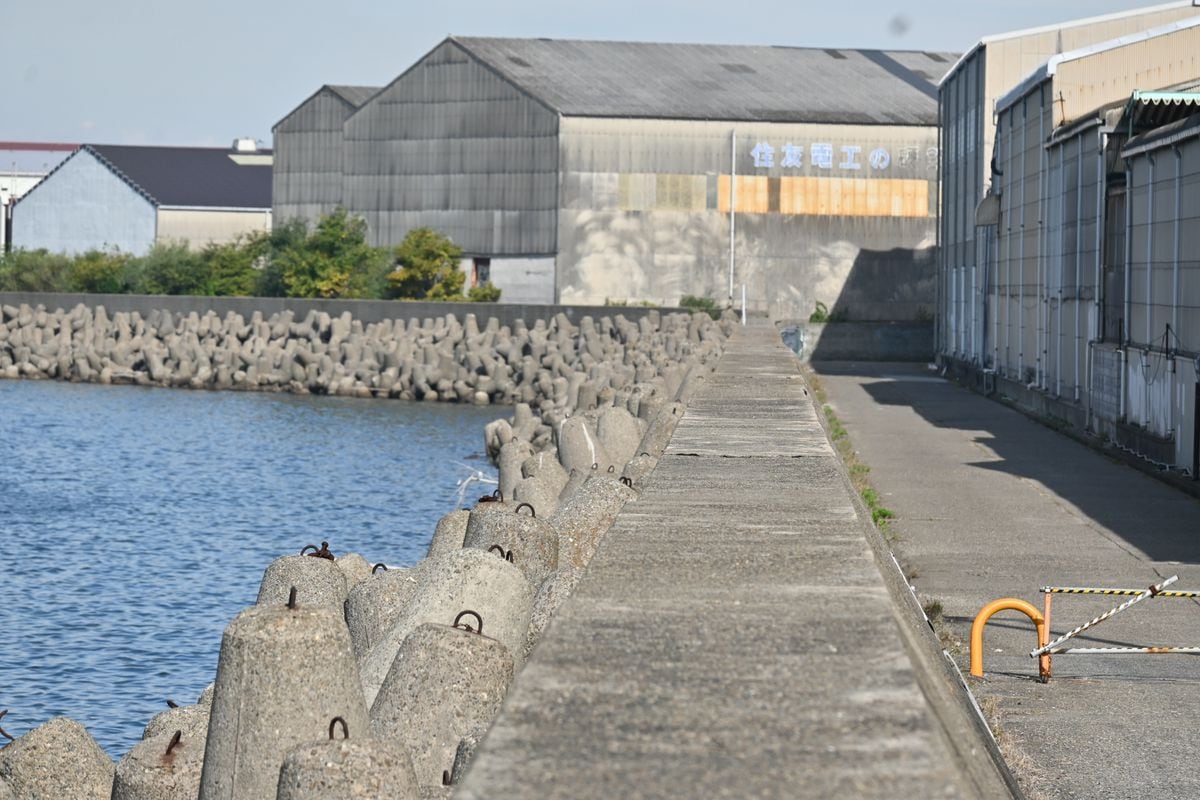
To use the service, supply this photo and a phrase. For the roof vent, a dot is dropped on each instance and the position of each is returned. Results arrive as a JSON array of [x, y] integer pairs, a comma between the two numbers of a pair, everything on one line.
[[520, 62], [739, 68], [245, 144]]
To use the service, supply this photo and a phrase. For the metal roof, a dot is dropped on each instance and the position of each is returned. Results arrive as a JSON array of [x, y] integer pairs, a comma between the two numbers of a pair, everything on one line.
[[192, 177], [1062, 26], [1050, 68], [719, 82], [1171, 133], [354, 95]]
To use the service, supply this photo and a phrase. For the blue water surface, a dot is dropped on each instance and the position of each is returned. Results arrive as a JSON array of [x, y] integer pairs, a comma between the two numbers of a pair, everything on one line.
[[135, 523]]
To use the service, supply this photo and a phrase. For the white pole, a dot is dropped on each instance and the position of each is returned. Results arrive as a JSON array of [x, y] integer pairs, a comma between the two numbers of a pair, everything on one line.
[[732, 206]]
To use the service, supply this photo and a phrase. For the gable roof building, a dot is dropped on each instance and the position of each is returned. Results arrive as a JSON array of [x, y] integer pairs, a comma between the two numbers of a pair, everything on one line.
[[308, 147], [129, 197], [583, 171]]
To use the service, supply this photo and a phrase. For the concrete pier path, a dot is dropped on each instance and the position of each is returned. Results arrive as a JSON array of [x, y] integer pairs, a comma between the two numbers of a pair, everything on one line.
[[734, 637]]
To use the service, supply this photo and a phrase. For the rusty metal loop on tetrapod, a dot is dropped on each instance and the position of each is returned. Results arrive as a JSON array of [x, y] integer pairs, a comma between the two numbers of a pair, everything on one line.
[[171, 703], [532, 510], [496, 496], [5, 733], [626, 481], [505, 554], [458, 623], [291, 603], [318, 552], [612, 468], [377, 567], [333, 723], [174, 742]]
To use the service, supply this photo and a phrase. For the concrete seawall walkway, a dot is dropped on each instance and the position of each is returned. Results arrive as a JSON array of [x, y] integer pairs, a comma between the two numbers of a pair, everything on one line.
[[991, 504], [734, 636]]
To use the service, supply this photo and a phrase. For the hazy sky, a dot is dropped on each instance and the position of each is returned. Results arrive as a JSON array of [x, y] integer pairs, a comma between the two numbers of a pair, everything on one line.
[[205, 71]]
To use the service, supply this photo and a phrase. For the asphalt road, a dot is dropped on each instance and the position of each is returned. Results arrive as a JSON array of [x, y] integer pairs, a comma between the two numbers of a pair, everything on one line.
[[991, 504]]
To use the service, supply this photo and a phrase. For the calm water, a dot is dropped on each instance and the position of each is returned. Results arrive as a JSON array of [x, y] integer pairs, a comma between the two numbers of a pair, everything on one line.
[[137, 522]]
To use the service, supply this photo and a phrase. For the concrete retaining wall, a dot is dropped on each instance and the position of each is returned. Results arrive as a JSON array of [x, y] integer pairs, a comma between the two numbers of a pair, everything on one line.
[[860, 341], [365, 311]]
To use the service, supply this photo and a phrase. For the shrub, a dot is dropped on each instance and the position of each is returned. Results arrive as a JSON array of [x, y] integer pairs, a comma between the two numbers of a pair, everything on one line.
[[231, 268], [705, 304], [483, 293], [100, 272], [428, 268], [35, 271], [335, 261], [169, 268]]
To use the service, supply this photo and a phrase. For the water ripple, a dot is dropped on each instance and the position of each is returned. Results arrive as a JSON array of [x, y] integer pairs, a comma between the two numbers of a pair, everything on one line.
[[136, 523]]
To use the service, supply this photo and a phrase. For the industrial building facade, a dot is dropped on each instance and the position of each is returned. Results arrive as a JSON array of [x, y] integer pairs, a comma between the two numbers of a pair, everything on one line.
[[129, 198], [1075, 277], [591, 172]]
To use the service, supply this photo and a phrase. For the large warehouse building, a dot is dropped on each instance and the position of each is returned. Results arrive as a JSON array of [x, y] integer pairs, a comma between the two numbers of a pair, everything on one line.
[[1081, 294], [587, 172]]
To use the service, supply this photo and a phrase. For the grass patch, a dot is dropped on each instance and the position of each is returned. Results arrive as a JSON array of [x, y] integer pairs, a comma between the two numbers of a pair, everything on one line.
[[880, 514]]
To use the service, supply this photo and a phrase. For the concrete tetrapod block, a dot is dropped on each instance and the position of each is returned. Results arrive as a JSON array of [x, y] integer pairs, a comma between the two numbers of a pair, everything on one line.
[[579, 446], [538, 493], [282, 675], [206, 695], [662, 427], [444, 684], [356, 569], [358, 767], [58, 759], [464, 754], [192, 720], [639, 467], [5, 792], [465, 579], [318, 582], [545, 466], [526, 541], [448, 536], [546, 602], [160, 768], [584, 517], [619, 433], [512, 455], [375, 605]]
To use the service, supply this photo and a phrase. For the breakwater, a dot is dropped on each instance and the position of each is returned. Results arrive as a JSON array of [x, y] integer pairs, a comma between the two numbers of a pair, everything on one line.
[[412, 663]]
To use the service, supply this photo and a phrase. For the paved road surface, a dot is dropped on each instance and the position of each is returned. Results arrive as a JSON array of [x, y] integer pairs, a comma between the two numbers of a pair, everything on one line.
[[991, 504]]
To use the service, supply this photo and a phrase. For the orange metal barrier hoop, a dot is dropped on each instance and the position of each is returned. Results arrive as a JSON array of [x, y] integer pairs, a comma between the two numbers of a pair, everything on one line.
[[1008, 604]]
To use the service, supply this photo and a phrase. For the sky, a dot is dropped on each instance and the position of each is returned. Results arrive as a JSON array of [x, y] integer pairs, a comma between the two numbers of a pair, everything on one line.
[[204, 72]]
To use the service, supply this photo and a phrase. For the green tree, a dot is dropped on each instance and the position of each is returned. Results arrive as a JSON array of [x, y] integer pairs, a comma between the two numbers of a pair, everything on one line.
[[35, 271], [267, 248], [231, 268], [335, 261], [170, 268], [483, 293], [428, 268], [100, 272]]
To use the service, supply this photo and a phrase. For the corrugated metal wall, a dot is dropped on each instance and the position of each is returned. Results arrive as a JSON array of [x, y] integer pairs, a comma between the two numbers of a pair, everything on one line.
[[307, 173], [839, 214], [1163, 283], [1071, 263], [84, 206], [964, 176], [452, 146], [1016, 331], [971, 91]]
